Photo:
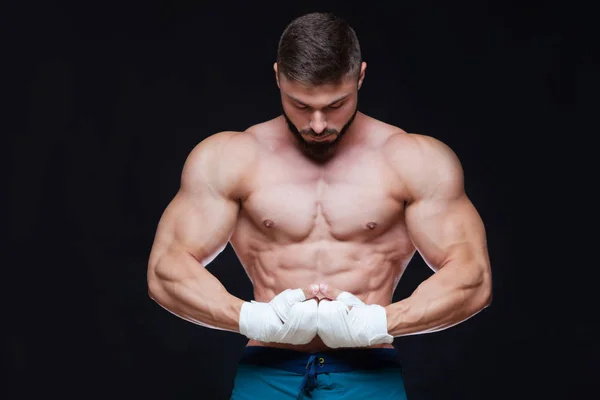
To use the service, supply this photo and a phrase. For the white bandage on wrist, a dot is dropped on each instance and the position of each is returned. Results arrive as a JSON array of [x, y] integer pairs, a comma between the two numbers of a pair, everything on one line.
[[285, 319], [362, 326]]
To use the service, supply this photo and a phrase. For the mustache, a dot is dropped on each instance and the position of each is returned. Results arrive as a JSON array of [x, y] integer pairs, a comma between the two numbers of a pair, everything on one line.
[[325, 132]]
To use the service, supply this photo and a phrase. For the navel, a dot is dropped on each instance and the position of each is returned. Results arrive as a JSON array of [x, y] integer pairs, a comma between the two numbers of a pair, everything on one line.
[[371, 226], [268, 223]]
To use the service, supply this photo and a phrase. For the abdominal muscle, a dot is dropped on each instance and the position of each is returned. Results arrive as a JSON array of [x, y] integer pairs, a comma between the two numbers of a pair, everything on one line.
[[368, 271]]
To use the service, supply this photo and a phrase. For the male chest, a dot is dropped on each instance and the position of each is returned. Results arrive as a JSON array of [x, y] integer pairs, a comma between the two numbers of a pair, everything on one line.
[[343, 200]]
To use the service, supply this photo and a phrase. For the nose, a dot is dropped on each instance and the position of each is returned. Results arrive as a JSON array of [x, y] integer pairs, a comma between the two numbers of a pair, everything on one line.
[[318, 123]]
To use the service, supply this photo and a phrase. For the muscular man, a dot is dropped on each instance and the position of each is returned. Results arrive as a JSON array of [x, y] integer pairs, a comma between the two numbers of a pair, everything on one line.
[[325, 207]]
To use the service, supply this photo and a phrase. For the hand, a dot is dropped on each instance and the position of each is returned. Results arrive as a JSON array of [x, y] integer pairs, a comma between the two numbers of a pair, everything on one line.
[[345, 321], [288, 318]]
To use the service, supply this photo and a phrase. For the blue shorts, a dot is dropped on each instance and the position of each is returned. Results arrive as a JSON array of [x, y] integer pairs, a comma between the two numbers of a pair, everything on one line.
[[267, 373]]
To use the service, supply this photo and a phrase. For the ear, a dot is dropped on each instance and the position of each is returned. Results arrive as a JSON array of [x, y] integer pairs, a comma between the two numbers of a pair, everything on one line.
[[276, 74], [361, 76]]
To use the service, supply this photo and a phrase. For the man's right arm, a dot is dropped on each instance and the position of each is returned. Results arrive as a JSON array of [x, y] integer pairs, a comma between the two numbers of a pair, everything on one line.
[[194, 228]]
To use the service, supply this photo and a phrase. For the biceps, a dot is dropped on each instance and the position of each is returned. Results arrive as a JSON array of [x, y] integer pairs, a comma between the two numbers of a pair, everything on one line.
[[443, 230], [199, 225]]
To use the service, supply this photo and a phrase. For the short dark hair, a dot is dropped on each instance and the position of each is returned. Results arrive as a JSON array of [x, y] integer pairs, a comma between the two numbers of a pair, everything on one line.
[[318, 48]]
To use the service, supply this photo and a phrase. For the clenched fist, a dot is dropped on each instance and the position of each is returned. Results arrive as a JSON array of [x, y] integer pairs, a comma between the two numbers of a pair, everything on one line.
[[346, 321], [291, 317]]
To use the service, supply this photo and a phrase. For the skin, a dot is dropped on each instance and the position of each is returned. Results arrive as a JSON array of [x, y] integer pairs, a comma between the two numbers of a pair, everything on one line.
[[350, 218]]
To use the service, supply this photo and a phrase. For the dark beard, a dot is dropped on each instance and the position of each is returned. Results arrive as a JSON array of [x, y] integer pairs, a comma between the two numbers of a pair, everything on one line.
[[319, 151]]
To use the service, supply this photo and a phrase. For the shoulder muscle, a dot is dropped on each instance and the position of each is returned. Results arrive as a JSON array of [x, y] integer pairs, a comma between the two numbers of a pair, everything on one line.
[[221, 162], [427, 166]]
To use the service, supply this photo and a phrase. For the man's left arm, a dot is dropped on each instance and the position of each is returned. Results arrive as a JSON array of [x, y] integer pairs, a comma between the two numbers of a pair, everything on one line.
[[449, 234]]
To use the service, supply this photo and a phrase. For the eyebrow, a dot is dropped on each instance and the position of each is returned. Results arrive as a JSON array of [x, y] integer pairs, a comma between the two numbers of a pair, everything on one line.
[[343, 97]]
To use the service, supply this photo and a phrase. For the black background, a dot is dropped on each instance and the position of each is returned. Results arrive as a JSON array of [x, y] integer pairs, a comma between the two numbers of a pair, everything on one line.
[[106, 99]]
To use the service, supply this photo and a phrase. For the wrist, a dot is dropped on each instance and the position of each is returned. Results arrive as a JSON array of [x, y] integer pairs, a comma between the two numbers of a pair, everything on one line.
[[396, 316], [235, 314], [388, 318], [382, 326]]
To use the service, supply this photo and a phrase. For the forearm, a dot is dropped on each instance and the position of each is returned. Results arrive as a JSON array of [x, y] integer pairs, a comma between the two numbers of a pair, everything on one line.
[[180, 284], [448, 297]]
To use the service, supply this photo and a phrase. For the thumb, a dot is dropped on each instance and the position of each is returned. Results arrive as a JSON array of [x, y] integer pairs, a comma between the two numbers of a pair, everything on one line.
[[329, 292], [310, 291]]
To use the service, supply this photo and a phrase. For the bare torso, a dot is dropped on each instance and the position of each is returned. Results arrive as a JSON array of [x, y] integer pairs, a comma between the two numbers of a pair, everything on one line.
[[341, 222]]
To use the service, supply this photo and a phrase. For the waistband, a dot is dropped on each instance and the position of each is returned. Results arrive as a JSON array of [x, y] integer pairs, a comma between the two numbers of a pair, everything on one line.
[[312, 364], [343, 360]]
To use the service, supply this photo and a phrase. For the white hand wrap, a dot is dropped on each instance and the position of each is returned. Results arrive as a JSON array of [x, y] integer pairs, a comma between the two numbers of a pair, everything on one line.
[[285, 319], [363, 325]]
